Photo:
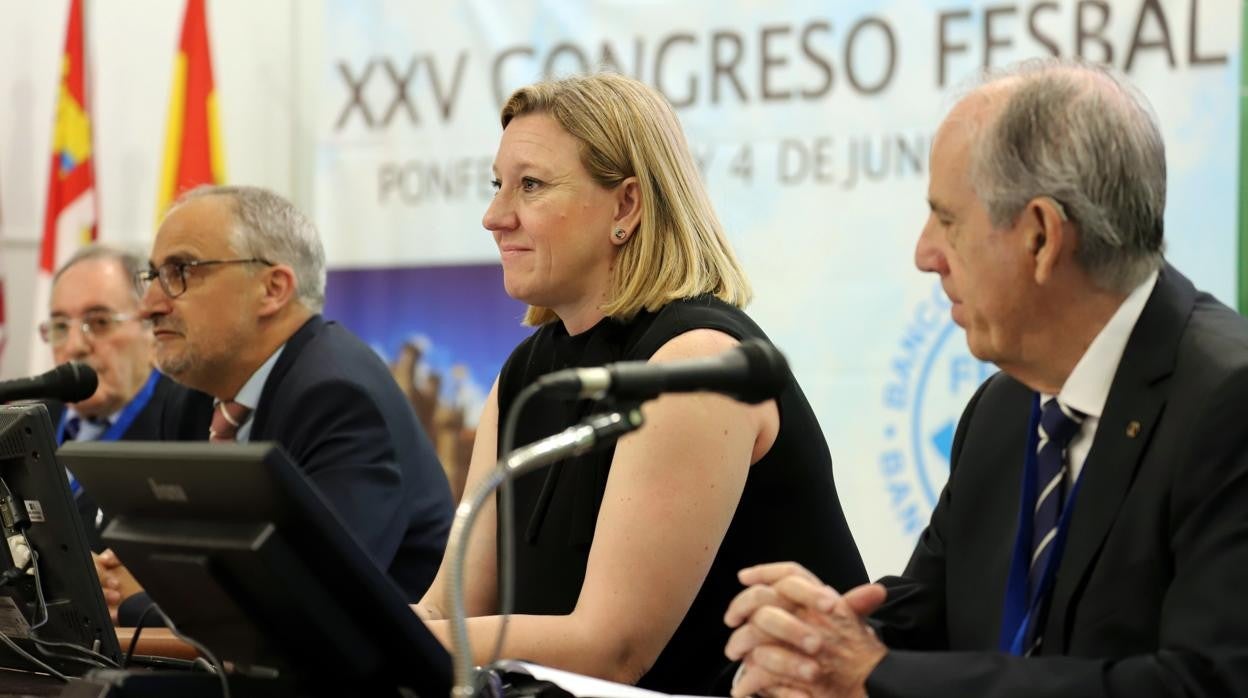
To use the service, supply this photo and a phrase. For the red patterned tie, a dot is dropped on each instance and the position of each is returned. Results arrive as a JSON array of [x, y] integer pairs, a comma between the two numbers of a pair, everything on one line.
[[227, 419]]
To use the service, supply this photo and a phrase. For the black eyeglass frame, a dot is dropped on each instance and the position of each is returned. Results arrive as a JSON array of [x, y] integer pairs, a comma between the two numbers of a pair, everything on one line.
[[165, 273]]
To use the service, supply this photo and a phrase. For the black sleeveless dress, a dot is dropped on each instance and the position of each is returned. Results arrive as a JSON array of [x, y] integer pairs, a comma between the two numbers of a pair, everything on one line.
[[788, 511]]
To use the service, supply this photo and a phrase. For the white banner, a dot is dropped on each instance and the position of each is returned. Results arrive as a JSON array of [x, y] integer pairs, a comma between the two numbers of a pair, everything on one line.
[[812, 123]]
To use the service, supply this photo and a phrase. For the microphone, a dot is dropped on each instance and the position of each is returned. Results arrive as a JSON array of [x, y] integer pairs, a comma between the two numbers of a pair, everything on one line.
[[72, 381], [593, 432], [753, 371]]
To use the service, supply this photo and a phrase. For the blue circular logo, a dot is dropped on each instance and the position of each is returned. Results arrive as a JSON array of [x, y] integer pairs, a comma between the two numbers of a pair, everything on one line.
[[931, 378]]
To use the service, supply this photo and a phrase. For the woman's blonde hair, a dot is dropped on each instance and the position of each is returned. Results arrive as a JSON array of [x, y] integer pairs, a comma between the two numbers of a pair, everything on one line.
[[627, 129]]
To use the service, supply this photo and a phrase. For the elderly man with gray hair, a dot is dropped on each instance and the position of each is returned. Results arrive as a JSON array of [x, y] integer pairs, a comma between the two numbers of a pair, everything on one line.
[[1092, 539], [233, 293]]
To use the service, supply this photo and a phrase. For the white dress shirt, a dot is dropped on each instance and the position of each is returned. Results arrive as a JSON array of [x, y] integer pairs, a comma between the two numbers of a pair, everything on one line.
[[249, 394], [1087, 387]]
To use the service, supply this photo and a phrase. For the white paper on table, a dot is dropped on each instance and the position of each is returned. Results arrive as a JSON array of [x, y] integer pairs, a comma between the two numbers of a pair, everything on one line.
[[578, 684]]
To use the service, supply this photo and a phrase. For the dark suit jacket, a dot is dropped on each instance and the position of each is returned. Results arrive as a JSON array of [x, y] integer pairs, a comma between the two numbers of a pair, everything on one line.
[[334, 407], [1151, 597], [174, 413]]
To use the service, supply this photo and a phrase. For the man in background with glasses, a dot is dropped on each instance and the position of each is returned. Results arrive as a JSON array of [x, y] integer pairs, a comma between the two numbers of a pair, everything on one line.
[[94, 318], [233, 292]]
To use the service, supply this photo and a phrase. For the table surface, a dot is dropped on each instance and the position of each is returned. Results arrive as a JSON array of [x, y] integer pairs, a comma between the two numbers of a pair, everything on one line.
[[158, 642]]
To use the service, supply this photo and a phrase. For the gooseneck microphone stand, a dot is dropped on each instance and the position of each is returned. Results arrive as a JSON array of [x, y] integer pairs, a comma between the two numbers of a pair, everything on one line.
[[598, 430]]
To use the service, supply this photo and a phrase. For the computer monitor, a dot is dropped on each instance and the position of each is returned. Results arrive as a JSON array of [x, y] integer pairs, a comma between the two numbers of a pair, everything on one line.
[[75, 609], [245, 556]]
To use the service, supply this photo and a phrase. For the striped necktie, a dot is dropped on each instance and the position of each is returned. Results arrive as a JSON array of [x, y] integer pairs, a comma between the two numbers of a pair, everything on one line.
[[227, 419], [73, 425], [1058, 425], [93, 428]]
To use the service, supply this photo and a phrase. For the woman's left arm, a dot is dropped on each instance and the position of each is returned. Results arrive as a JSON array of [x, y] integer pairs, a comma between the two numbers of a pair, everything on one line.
[[673, 489]]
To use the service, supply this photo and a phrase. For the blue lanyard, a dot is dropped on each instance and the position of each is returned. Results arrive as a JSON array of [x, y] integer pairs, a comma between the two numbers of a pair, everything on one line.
[[127, 416], [118, 428], [1018, 615]]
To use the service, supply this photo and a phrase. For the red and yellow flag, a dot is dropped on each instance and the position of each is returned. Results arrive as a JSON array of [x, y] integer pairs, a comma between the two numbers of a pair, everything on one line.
[[70, 217], [193, 150]]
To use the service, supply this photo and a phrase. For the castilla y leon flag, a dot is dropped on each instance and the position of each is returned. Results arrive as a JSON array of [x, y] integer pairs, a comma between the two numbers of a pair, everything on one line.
[[193, 153], [71, 213]]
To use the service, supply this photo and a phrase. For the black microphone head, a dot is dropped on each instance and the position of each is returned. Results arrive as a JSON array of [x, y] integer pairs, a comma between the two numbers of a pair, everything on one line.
[[73, 381], [768, 371]]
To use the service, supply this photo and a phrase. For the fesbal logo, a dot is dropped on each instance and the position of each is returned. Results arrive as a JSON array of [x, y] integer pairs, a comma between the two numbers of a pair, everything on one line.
[[931, 377]]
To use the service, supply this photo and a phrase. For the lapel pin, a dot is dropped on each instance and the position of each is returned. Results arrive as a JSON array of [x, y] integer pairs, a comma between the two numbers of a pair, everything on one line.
[[1133, 429]]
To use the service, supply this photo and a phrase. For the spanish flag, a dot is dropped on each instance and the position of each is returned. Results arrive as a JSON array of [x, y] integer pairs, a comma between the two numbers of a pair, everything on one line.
[[193, 151], [70, 216]]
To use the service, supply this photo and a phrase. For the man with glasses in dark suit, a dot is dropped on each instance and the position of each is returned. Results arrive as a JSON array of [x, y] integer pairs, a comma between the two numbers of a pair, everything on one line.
[[233, 292]]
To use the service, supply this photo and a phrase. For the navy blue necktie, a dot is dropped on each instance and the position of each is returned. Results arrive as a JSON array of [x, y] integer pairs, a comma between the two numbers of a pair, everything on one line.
[[1058, 425], [72, 426]]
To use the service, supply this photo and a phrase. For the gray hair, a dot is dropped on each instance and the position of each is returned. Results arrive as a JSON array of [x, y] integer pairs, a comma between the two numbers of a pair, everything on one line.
[[269, 227], [132, 262], [1080, 135]]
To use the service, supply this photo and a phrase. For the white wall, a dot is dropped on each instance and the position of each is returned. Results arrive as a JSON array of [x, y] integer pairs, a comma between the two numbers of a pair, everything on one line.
[[131, 46]]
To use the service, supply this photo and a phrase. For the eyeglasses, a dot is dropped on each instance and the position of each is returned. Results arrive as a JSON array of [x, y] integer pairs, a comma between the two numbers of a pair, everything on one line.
[[172, 275], [95, 325]]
